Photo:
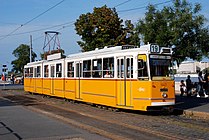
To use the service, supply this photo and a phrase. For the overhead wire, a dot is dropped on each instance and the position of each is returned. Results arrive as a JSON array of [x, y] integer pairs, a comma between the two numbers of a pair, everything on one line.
[[12, 33], [32, 20], [56, 30], [122, 3], [142, 7], [32, 31]]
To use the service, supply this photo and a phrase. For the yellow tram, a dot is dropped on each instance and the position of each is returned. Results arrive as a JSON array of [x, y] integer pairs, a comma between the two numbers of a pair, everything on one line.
[[129, 77]]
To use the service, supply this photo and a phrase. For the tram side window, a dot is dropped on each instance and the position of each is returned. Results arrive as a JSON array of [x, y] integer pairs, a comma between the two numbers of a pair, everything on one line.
[[31, 72], [87, 68], [120, 67], [97, 68], [26, 72], [70, 69], [59, 70], [38, 71], [79, 70], [142, 68], [46, 71], [108, 67], [52, 71], [35, 72], [129, 68]]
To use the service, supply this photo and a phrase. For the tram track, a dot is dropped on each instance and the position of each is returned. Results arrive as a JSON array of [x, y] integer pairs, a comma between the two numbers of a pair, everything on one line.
[[103, 122]]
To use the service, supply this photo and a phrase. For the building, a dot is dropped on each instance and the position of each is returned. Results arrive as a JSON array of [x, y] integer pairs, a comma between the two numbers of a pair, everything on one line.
[[191, 67]]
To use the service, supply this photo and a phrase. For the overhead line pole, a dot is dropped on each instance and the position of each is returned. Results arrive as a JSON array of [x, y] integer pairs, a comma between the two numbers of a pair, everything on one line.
[[30, 48]]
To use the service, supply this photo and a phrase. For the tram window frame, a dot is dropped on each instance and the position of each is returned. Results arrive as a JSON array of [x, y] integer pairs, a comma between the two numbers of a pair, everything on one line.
[[59, 70], [129, 66], [120, 67], [26, 72], [35, 71], [70, 69], [52, 69], [46, 70], [31, 72], [108, 67], [87, 66], [142, 70], [79, 68], [38, 71], [97, 68], [159, 67]]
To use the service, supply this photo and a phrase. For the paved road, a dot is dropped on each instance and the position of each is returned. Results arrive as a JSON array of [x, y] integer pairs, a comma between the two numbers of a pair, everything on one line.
[[188, 105], [17, 123], [193, 106], [10, 86]]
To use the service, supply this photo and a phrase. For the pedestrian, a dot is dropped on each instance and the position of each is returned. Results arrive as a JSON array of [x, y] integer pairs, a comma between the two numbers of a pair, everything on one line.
[[182, 87], [12, 78], [200, 89], [205, 86], [188, 86]]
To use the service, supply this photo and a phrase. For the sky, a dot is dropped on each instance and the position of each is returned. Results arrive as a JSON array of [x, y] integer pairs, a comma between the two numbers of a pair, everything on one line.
[[20, 19]]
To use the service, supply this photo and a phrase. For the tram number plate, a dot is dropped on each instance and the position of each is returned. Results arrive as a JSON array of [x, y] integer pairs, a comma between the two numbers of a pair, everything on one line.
[[154, 48]]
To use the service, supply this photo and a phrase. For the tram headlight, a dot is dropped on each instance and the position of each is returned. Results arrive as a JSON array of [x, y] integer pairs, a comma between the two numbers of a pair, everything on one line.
[[164, 95]]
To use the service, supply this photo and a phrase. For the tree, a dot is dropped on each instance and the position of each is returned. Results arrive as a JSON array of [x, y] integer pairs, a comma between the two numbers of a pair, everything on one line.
[[179, 26], [101, 28], [22, 53]]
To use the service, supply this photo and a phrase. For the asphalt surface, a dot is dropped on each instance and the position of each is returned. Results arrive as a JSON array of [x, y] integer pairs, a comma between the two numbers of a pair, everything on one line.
[[10, 86], [196, 106], [17, 122], [193, 106]]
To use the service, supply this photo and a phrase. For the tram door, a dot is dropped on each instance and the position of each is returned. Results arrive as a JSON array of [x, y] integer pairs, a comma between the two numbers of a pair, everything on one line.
[[52, 71], [78, 69], [124, 84], [35, 79]]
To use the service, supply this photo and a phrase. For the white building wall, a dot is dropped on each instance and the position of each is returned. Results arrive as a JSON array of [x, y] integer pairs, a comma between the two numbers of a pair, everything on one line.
[[187, 67], [192, 67], [203, 65]]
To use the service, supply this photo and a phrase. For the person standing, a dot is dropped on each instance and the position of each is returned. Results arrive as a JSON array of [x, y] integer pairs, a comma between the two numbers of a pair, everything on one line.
[[12, 78], [206, 83], [182, 87], [200, 90], [188, 86]]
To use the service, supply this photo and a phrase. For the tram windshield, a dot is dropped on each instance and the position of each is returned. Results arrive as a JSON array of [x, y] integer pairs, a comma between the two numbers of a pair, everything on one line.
[[142, 67], [159, 67]]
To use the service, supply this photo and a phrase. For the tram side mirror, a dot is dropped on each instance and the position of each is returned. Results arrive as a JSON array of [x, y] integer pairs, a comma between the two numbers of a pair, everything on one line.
[[172, 77], [171, 74]]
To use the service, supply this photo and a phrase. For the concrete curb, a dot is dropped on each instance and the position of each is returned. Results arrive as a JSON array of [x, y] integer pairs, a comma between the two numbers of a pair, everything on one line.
[[202, 115], [196, 114]]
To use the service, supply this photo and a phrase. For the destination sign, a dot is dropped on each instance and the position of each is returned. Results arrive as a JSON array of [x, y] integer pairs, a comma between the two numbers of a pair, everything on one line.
[[160, 57]]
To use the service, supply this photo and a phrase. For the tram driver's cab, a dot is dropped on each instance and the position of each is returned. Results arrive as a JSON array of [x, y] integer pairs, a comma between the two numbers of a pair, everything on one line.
[[156, 64]]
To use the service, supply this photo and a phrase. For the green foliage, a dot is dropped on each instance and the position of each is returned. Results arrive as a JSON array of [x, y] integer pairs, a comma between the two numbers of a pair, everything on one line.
[[22, 53], [103, 27], [179, 26]]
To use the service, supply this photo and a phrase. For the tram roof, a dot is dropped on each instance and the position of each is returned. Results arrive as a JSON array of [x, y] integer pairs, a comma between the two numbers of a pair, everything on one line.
[[105, 51], [111, 49]]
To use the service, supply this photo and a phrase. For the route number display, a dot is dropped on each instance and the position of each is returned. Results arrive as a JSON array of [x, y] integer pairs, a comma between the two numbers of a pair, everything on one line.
[[154, 48]]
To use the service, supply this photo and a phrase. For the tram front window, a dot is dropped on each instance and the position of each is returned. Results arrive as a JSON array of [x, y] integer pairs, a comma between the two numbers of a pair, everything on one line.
[[142, 67], [159, 68]]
